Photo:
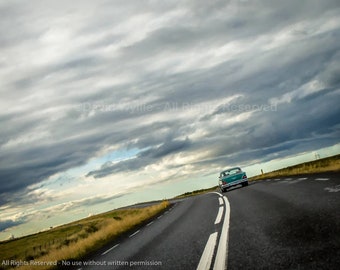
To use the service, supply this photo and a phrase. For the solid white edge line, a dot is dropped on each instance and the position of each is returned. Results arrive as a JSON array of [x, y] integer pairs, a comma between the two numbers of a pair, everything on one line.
[[214, 192], [208, 253], [110, 249], [222, 255], [220, 200], [219, 215]]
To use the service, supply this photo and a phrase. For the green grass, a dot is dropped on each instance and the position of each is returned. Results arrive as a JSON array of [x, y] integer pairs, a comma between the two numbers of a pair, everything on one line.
[[329, 164], [74, 240]]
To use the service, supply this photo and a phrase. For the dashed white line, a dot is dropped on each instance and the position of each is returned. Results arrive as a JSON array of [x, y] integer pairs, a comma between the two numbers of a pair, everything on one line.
[[321, 179], [222, 250], [284, 181], [149, 223], [208, 253], [219, 215], [297, 181], [134, 233], [110, 249]]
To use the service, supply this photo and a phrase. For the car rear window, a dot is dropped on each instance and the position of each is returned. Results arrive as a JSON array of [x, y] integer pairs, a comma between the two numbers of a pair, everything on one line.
[[231, 171]]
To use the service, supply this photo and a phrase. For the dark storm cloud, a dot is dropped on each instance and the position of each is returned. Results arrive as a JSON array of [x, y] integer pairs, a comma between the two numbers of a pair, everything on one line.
[[79, 78], [143, 159], [165, 149], [5, 224], [33, 163], [83, 203], [288, 129]]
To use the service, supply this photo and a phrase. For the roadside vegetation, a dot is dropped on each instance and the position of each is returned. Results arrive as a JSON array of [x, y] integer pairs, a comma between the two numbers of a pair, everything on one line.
[[329, 164], [74, 240], [196, 192]]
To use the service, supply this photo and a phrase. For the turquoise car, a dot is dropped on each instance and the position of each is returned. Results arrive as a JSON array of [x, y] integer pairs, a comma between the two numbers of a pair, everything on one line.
[[232, 177]]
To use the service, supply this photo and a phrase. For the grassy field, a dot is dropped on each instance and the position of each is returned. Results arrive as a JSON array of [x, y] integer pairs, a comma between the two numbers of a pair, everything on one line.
[[329, 164], [74, 240]]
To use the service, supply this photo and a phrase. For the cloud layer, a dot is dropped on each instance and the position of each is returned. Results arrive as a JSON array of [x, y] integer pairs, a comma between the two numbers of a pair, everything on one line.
[[192, 85]]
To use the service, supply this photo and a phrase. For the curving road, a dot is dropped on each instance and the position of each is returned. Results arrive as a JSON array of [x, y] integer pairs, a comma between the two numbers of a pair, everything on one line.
[[174, 240], [283, 223]]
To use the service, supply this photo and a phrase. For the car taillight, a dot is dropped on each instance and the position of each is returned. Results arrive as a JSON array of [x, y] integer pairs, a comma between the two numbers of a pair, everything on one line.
[[244, 176]]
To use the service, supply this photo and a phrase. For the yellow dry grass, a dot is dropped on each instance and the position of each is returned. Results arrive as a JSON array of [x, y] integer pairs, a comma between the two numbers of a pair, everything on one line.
[[95, 233], [329, 164]]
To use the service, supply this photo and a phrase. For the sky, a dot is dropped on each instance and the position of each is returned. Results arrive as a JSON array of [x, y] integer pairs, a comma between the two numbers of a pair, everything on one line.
[[109, 103]]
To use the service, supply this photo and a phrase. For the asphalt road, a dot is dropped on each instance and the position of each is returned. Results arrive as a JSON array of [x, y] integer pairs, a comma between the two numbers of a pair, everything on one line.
[[284, 223], [174, 240]]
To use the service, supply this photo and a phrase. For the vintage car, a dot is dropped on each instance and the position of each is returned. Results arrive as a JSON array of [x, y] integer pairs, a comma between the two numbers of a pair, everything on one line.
[[232, 177]]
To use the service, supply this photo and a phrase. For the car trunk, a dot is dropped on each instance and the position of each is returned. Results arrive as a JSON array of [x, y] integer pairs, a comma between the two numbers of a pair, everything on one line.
[[234, 177]]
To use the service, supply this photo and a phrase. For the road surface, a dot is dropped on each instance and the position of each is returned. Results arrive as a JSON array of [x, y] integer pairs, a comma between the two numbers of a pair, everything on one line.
[[282, 223]]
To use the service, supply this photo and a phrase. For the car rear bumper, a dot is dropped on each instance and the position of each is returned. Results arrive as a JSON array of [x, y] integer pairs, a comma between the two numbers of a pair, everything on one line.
[[234, 183]]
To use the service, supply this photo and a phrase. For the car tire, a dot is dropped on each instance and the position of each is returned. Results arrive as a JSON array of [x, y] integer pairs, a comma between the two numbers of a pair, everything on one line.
[[245, 184]]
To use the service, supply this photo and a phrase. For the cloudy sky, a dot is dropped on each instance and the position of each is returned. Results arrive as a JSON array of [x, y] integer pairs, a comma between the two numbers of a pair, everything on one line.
[[105, 103]]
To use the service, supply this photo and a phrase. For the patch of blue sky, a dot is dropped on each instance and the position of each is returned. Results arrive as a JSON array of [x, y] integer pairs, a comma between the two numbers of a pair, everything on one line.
[[71, 176], [97, 162]]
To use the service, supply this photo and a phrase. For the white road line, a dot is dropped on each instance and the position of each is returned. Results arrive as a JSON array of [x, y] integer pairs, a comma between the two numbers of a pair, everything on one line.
[[149, 223], [284, 181], [110, 249], [297, 181], [208, 253], [222, 251], [220, 200], [321, 179], [333, 189], [134, 233], [303, 178], [159, 217], [219, 194], [219, 215]]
